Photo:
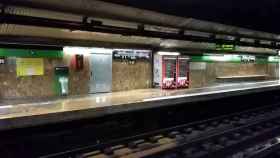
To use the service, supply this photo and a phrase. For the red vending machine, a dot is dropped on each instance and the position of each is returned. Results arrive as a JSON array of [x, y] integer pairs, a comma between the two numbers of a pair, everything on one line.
[[183, 72], [171, 70]]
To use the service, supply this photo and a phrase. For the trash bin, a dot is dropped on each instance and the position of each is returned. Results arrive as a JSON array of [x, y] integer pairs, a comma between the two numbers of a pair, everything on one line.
[[62, 81]]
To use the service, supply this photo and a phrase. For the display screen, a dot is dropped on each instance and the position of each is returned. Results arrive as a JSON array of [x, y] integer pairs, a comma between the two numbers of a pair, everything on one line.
[[170, 70], [183, 67]]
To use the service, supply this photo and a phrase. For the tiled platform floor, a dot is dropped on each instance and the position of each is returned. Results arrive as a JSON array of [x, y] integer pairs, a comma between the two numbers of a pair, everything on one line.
[[109, 102]]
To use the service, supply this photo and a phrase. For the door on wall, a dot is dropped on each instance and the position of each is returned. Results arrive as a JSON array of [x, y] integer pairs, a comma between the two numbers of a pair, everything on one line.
[[100, 73]]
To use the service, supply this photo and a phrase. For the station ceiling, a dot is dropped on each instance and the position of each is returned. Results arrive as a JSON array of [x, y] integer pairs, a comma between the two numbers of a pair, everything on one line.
[[60, 37], [259, 15], [76, 11]]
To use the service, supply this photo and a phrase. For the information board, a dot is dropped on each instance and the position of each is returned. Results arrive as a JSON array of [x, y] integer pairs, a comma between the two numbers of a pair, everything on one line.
[[131, 54], [2, 60], [225, 47], [30, 66]]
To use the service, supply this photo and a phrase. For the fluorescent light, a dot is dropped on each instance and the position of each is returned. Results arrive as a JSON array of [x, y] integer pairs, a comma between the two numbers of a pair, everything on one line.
[[169, 53], [273, 58], [76, 50], [220, 57], [134, 50], [86, 51], [100, 51], [6, 106]]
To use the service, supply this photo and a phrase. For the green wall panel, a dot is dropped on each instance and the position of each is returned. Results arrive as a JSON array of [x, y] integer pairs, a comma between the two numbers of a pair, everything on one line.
[[234, 59], [28, 53]]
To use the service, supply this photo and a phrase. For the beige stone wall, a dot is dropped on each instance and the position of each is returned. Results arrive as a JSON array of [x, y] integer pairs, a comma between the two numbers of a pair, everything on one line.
[[131, 76], [197, 78], [272, 70], [207, 76], [240, 69], [203, 77], [40, 86], [13, 86], [125, 77]]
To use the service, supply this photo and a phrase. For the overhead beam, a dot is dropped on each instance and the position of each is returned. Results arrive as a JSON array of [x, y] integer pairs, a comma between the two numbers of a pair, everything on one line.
[[96, 8], [99, 27], [27, 42], [10, 41]]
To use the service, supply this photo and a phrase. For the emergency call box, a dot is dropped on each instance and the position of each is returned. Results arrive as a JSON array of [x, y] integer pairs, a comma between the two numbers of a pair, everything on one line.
[[79, 62]]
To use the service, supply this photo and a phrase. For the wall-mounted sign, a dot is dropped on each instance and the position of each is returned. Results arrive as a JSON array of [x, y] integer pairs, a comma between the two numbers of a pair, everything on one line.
[[235, 58], [225, 47], [131, 54], [248, 58], [221, 58], [2, 60], [30, 66], [273, 59]]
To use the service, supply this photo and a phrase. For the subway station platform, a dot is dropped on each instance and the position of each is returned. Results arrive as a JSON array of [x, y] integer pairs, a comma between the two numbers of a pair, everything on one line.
[[20, 115]]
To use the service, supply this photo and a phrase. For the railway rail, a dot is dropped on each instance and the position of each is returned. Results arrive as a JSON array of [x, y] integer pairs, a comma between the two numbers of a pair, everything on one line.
[[239, 135]]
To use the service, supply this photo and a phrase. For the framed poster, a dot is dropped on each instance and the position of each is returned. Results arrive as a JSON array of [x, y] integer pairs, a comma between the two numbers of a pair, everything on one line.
[[2, 60], [29, 66]]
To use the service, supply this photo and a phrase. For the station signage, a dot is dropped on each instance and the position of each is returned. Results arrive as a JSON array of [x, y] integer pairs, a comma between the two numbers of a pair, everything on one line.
[[273, 59], [131, 54], [225, 47], [234, 58], [248, 58], [2, 60]]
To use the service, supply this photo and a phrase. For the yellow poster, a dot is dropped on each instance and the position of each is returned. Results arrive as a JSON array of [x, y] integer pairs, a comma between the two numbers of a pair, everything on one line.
[[30, 66]]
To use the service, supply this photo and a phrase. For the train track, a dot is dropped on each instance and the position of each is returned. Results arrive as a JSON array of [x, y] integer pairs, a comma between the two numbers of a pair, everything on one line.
[[239, 135]]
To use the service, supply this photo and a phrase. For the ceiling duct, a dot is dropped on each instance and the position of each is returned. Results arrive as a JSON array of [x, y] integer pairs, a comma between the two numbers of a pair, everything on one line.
[[96, 8], [98, 26], [31, 35], [65, 25]]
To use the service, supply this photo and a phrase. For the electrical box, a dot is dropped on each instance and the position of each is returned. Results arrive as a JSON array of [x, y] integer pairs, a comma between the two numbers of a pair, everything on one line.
[[62, 80]]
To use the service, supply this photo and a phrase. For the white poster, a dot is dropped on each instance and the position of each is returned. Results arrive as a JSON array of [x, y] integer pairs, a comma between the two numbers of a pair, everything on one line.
[[197, 65]]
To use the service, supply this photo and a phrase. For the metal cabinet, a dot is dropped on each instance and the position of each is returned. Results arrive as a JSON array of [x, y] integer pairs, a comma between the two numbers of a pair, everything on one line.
[[100, 73]]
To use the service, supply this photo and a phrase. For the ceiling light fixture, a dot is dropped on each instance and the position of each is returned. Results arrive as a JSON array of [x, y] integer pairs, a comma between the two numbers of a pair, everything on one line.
[[169, 53]]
